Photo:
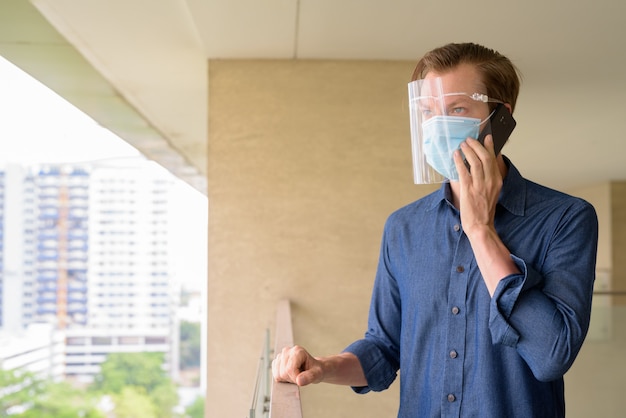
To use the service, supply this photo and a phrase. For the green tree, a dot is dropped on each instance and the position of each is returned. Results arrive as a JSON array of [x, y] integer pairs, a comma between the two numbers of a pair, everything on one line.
[[189, 345], [120, 370], [62, 400], [144, 375], [43, 398], [196, 409], [132, 402], [165, 398], [17, 388]]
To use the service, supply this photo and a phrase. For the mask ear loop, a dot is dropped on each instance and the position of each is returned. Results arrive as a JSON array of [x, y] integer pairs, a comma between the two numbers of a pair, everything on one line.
[[488, 117]]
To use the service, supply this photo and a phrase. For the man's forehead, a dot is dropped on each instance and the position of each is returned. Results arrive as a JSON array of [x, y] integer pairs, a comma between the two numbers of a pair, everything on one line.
[[449, 89], [461, 79]]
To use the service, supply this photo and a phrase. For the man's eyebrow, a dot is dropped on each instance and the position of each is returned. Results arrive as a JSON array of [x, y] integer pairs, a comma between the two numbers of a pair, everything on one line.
[[456, 100]]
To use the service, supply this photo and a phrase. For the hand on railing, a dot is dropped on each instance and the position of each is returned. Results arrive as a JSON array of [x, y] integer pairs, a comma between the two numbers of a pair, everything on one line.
[[285, 398], [296, 365]]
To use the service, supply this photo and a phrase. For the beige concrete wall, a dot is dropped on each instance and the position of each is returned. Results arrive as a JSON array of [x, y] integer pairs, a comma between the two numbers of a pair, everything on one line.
[[609, 200], [306, 161], [618, 221], [594, 385], [599, 195]]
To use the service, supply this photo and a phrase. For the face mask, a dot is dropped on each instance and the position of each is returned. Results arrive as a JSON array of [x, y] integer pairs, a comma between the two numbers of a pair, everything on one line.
[[442, 136]]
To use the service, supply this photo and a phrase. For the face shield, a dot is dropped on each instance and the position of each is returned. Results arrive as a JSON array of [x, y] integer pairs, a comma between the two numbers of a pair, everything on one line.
[[440, 121]]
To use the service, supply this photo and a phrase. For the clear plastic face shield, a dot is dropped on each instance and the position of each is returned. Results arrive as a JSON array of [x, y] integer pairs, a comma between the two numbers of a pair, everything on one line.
[[440, 121]]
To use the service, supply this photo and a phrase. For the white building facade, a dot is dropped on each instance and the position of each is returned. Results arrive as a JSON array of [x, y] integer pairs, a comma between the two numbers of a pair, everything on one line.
[[87, 250]]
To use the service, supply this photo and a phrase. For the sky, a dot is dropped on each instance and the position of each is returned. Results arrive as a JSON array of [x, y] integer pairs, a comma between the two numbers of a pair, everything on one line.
[[35, 121], [39, 126]]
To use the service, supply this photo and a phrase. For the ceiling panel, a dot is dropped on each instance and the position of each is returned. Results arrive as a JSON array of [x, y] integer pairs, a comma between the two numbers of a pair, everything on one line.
[[247, 28]]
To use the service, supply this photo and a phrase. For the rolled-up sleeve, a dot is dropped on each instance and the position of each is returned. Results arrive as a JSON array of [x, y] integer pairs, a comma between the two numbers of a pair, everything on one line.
[[379, 351], [544, 312], [379, 372], [502, 303]]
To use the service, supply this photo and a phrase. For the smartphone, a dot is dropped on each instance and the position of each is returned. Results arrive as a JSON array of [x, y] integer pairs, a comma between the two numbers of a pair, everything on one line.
[[500, 127]]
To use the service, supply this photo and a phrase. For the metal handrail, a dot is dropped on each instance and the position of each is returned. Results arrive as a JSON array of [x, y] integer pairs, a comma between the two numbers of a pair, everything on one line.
[[285, 397], [275, 399], [260, 397]]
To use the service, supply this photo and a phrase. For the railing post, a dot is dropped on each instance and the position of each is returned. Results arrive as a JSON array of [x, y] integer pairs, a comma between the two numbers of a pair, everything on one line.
[[285, 397], [262, 384], [267, 376]]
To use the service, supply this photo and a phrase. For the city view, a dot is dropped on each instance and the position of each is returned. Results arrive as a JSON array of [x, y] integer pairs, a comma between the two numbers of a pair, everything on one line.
[[103, 257]]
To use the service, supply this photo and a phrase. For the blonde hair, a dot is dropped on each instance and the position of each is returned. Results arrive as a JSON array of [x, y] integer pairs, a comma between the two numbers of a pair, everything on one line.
[[500, 76]]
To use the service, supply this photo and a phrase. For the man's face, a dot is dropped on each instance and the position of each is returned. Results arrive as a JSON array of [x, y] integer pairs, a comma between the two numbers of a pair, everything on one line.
[[463, 79]]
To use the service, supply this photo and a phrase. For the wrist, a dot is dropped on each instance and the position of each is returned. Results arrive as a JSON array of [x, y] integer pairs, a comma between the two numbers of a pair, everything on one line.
[[480, 232], [341, 369]]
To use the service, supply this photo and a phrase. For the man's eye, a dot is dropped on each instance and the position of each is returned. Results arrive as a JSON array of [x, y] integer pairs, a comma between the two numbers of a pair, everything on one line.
[[457, 111]]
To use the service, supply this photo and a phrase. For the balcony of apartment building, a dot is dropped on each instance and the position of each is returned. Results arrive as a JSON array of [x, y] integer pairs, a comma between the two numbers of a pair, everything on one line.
[[77, 233], [78, 213], [78, 287], [47, 298], [77, 301], [47, 233], [48, 212], [77, 194], [47, 255]]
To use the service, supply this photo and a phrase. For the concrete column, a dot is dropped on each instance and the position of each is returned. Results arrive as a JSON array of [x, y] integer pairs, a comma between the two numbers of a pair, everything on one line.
[[306, 161], [618, 231]]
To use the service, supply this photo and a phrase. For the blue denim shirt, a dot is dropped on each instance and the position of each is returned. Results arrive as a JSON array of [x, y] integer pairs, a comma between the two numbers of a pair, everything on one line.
[[461, 352]]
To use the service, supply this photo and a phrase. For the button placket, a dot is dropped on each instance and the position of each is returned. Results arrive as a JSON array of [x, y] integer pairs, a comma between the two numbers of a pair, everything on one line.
[[457, 326]]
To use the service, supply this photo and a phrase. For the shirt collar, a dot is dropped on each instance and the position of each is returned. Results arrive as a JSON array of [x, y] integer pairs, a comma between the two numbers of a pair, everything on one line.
[[512, 195]]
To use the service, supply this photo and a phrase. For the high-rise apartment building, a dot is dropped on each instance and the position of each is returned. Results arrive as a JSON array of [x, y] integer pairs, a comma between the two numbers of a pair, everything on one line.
[[87, 249], [17, 248], [61, 228]]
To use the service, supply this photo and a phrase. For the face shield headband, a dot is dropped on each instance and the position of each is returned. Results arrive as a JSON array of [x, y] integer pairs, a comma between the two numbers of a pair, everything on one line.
[[440, 122]]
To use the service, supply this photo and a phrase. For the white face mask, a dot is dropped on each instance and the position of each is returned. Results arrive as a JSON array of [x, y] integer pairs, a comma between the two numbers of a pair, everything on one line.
[[442, 136]]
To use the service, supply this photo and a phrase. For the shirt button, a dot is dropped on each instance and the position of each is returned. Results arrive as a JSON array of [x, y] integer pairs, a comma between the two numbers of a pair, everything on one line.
[[451, 398], [457, 227], [455, 310], [453, 354], [460, 269]]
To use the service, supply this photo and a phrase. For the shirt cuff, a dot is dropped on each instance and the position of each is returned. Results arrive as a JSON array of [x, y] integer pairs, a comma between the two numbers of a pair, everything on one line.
[[502, 303], [379, 373]]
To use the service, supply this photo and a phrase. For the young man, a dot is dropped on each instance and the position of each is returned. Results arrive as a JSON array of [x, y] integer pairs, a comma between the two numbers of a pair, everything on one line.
[[483, 291]]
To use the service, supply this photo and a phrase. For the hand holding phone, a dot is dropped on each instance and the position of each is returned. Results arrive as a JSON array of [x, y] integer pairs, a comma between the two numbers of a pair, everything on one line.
[[500, 126]]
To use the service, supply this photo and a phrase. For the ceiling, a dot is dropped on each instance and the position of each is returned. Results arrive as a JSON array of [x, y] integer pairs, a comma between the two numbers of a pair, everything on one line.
[[140, 67]]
